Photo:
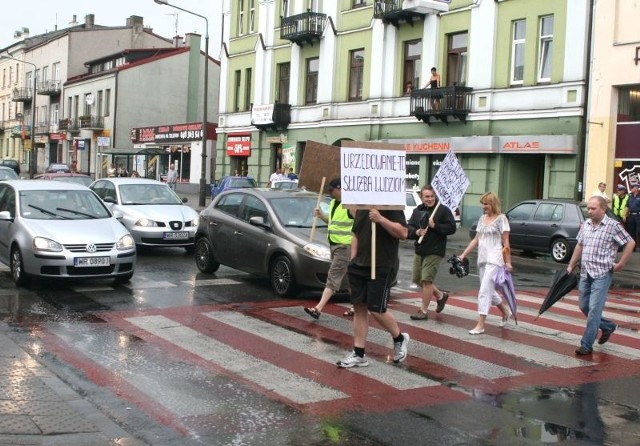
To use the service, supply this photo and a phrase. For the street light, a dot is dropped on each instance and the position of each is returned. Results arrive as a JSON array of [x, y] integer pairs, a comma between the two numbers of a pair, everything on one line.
[[203, 170], [32, 160]]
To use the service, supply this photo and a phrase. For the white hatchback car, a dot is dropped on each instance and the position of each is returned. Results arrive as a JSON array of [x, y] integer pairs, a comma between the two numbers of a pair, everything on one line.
[[152, 212], [55, 229]]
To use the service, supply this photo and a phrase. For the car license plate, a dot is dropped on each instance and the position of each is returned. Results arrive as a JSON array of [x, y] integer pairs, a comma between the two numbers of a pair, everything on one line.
[[91, 261], [181, 235]]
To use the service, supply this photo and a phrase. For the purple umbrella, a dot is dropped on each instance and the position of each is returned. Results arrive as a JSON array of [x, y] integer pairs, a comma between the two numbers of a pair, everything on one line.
[[504, 286]]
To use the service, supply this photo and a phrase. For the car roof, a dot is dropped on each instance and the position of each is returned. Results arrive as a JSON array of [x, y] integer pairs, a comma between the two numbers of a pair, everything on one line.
[[6, 168], [267, 192], [62, 174], [131, 180], [43, 184]]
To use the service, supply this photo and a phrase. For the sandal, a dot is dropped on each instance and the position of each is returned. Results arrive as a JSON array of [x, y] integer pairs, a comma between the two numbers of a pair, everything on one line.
[[348, 313], [313, 312]]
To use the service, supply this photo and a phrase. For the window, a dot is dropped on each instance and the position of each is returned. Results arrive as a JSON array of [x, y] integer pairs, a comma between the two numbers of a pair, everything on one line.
[[546, 48], [517, 52], [107, 102], [629, 104], [45, 74], [252, 15], [99, 111], [236, 91], [457, 59], [356, 74], [247, 89], [412, 66], [87, 106], [240, 17], [55, 71], [284, 75], [358, 3], [311, 96]]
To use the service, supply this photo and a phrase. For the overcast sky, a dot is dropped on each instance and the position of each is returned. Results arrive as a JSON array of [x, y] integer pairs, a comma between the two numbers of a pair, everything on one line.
[[41, 16]]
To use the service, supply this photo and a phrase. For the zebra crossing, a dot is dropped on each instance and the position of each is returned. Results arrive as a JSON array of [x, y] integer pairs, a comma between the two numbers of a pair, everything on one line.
[[276, 349]]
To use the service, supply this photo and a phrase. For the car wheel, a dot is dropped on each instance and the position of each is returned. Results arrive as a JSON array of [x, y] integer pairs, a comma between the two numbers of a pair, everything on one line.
[[282, 277], [204, 256], [560, 250], [17, 267]]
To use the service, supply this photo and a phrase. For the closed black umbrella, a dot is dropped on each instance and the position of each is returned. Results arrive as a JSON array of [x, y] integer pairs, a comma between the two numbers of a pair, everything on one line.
[[562, 284]]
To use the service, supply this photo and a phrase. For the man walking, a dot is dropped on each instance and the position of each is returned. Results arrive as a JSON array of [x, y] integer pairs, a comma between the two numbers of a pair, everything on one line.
[[598, 242], [371, 295], [633, 213], [339, 222], [172, 176], [429, 225]]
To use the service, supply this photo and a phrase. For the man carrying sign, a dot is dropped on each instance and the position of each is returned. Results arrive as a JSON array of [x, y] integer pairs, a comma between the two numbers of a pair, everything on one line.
[[371, 296], [429, 225]]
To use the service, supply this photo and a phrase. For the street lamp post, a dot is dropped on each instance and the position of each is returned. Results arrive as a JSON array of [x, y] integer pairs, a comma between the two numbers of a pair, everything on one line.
[[203, 170], [32, 160]]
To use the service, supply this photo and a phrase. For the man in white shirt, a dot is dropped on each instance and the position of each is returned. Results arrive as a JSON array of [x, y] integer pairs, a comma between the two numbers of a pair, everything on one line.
[[599, 192], [276, 176]]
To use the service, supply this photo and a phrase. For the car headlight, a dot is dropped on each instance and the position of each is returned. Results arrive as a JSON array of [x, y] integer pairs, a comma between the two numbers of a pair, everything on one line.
[[145, 222], [125, 243], [195, 221], [45, 244], [319, 251]]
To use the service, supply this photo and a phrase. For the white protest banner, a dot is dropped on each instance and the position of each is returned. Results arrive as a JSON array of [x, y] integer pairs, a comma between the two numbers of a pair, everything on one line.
[[450, 182], [374, 177]]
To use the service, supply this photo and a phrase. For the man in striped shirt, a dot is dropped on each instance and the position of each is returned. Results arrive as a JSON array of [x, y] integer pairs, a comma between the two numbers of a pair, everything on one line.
[[598, 242]]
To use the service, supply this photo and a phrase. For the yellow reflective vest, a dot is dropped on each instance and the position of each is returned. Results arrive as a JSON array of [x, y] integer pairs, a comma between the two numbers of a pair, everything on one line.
[[618, 205], [340, 224]]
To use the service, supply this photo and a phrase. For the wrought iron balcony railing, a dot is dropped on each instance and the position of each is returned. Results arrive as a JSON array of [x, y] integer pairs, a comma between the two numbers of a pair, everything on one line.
[[68, 125], [303, 28], [441, 103], [49, 88], [91, 122], [21, 95], [279, 119]]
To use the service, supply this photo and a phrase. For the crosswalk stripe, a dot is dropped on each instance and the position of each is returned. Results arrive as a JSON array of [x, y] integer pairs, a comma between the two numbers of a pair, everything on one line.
[[538, 329], [276, 379], [209, 282], [448, 358], [390, 375]]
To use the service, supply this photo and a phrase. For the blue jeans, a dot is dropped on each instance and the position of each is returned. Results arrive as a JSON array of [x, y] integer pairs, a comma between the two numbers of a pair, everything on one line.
[[593, 296]]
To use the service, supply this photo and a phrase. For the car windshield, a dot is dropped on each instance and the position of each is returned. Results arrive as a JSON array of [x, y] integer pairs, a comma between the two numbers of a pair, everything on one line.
[[61, 205], [8, 174], [143, 194], [239, 183], [85, 181], [298, 211]]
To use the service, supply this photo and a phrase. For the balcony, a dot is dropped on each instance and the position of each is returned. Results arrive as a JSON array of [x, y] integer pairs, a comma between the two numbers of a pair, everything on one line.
[[43, 128], [303, 28], [21, 95], [271, 116], [18, 131], [397, 11], [91, 122], [441, 104], [68, 125], [49, 88], [2, 125]]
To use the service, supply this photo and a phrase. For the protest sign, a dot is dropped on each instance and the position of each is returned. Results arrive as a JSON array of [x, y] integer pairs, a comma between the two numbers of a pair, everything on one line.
[[450, 182]]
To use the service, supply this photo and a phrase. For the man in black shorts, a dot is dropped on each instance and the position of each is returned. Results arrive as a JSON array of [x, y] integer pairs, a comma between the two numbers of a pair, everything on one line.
[[372, 295]]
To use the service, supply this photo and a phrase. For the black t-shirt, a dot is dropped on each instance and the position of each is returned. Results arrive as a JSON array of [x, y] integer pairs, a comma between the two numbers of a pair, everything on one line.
[[386, 244]]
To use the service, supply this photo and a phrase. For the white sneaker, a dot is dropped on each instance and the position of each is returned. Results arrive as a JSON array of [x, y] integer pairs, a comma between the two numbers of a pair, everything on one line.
[[400, 349], [352, 360], [505, 319]]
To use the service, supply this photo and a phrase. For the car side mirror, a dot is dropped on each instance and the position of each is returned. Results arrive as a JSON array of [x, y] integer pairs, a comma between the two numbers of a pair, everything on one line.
[[6, 216], [259, 221], [109, 199], [117, 214], [185, 199]]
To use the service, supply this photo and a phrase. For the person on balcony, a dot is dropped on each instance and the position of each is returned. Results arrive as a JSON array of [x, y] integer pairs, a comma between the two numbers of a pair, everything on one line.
[[434, 82]]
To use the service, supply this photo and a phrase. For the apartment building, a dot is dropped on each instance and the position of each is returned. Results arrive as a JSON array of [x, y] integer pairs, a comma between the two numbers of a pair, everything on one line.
[[511, 102]]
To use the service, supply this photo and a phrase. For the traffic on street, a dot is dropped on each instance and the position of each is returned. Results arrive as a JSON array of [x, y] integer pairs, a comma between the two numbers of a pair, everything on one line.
[[177, 356]]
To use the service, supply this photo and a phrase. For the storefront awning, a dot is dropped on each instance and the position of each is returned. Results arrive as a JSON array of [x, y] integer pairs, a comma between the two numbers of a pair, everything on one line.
[[131, 151]]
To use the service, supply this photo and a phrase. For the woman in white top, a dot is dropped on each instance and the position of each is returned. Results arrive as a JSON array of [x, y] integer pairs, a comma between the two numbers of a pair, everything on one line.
[[494, 252]]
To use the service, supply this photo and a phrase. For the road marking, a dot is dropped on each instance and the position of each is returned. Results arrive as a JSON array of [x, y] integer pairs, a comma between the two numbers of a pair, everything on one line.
[[278, 380], [386, 373], [141, 283], [209, 282]]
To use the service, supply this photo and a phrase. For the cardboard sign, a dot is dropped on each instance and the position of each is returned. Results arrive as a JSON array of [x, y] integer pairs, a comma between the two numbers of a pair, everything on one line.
[[320, 160], [450, 182]]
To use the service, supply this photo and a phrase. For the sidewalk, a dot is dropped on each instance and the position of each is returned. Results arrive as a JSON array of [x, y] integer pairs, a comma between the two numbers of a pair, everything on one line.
[[37, 408]]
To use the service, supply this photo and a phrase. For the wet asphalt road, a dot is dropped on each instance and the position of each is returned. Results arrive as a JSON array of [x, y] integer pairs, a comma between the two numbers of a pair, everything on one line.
[[86, 333]]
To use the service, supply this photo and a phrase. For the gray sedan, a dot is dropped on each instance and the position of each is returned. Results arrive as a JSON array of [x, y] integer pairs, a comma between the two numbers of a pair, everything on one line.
[[61, 230], [152, 212], [266, 232]]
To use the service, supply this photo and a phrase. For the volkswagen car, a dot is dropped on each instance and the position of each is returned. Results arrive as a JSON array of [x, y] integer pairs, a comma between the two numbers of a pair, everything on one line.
[[266, 232], [152, 212], [61, 230]]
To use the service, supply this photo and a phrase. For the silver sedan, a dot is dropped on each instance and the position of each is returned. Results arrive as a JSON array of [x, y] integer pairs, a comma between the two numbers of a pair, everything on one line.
[[61, 230], [151, 211]]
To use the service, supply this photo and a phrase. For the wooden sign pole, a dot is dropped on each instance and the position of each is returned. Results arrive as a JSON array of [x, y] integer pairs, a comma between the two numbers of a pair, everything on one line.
[[315, 219]]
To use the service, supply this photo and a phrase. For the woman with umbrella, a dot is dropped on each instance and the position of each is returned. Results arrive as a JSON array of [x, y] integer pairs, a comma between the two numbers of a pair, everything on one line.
[[492, 240]]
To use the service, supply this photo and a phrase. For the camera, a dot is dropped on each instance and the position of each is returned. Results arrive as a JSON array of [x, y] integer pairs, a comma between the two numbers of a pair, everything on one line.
[[459, 267]]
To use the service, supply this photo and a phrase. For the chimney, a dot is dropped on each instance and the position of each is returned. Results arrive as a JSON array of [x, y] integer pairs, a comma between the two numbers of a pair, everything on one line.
[[135, 20], [177, 41], [89, 20], [74, 21]]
